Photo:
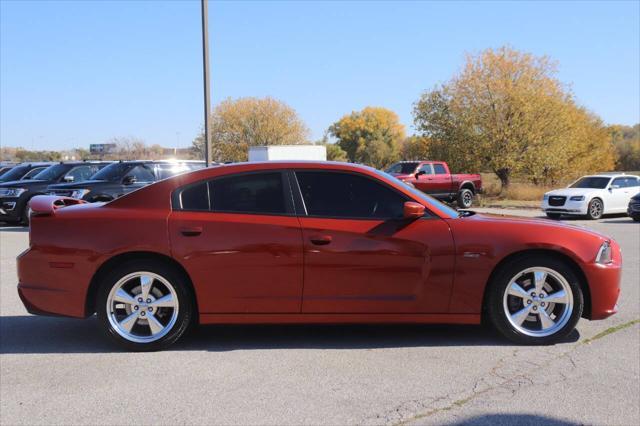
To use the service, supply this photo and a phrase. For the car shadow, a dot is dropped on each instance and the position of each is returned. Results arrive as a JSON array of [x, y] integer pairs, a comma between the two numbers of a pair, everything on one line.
[[5, 227], [622, 220], [513, 419], [38, 335]]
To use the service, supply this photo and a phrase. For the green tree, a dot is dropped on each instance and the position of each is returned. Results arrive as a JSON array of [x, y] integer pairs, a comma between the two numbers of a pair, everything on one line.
[[371, 136], [415, 148], [508, 113], [237, 124]]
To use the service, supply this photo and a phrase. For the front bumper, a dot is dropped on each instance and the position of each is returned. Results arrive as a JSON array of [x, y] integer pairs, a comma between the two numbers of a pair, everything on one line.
[[568, 208], [10, 209], [604, 285]]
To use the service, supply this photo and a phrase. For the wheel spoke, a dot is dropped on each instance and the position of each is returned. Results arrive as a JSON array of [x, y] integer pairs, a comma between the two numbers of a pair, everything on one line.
[[516, 290], [545, 319], [521, 315], [540, 278], [123, 297], [128, 323], [557, 297], [164, 302], [146, 282], [155, 325]]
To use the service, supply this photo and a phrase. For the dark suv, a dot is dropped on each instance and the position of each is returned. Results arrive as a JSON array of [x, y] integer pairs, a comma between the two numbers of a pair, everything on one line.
[[118, 179], [24, 171], [15, 195]]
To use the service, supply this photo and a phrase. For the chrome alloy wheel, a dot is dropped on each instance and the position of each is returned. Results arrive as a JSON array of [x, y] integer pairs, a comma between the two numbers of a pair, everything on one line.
[[538, 302], [142, 307], [467, 198], [595, 208]]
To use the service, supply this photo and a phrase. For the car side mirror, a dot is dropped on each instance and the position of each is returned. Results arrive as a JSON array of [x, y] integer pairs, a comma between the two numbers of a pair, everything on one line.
[[68, 178], [420, 173], [412, 210], [128, 180], [614, 187]]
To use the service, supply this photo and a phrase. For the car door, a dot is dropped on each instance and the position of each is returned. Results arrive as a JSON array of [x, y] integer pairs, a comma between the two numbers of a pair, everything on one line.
[[618, 196], [360, 256], [241, 242], [441, 183], [424, 178]]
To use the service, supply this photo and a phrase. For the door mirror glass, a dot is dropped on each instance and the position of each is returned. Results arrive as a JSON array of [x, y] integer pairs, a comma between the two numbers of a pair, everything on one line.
[[69, 178], [413, 210], [129, 179]]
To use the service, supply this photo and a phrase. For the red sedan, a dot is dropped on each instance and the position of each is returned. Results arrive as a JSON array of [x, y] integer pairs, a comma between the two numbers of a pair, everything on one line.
[[303, 242]]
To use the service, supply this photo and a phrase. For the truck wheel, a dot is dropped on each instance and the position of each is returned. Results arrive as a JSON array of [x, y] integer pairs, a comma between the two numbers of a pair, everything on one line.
[[465, 198]]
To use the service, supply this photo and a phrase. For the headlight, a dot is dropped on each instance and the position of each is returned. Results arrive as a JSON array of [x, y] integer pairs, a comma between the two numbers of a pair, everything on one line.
[[604, 254], [546, 197], [11, 192], [577, 198], [79, 193]]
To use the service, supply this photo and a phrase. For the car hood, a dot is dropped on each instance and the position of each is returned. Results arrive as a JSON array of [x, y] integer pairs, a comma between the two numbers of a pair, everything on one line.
[[545, 224], [79, 185], [574, 191], [23, 183]]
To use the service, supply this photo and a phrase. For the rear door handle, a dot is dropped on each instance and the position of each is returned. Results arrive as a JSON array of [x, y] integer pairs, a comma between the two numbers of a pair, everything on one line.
[[321, 240], [191, 231]]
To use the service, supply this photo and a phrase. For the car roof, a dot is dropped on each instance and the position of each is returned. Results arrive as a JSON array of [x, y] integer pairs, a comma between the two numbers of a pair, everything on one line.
[[611, 175]]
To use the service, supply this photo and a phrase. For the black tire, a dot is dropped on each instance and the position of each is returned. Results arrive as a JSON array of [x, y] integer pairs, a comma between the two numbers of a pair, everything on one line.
[[554, 215], [465, 198], [186, 311], [495, 302], [636, 218], [593, 212]]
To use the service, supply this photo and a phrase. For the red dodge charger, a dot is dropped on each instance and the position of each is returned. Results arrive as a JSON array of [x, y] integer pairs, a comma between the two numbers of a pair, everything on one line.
[[305, 242]]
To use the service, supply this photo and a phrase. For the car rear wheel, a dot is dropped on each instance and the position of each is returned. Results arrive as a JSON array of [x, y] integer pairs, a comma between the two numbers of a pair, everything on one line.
[[535, 300], [595, 209], [145, 305], [465, 198]]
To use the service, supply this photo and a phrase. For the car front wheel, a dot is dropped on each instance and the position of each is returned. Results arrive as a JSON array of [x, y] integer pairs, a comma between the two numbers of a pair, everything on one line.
[[144, 305], [535, 300], [595, 209], [465, 198]]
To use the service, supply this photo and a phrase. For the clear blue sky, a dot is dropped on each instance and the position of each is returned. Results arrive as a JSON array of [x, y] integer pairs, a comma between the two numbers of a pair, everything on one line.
[[79, 72]]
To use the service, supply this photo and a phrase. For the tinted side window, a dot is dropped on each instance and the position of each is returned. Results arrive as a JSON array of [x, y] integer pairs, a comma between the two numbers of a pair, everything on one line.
[[621, 182], [426, 168], [252, 193], [633, 182], [142, 174], [195, 197], [440, 170], [333, 194], [31, 173]]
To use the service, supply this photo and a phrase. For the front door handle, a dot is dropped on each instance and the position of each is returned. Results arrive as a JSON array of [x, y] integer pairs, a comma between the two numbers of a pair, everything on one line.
[[321, 240], [191, 231]]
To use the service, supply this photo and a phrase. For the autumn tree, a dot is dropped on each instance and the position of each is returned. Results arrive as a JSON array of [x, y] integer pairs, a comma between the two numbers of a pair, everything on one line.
[[626, 141], [415, 148], [370, 136], [237, 124], [507, 112]]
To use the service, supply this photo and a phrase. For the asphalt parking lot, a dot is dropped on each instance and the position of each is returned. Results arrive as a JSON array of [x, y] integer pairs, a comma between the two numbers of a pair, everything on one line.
[[61, 371]]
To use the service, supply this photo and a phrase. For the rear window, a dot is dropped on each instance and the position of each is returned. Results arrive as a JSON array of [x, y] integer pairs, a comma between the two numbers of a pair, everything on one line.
[[251, 193], [195, 197]]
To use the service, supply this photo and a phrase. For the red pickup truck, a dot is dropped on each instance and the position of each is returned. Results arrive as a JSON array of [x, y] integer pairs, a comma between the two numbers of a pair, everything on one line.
[[434, 178]]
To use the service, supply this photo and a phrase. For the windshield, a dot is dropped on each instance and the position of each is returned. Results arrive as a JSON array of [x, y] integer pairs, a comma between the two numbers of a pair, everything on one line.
[[403, 168], [52, 172], [430, 201], [591, 182], [112, 173], [14, 174]]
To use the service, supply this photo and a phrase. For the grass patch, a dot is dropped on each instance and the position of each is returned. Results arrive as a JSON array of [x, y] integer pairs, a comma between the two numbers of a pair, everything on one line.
[[611, 330]]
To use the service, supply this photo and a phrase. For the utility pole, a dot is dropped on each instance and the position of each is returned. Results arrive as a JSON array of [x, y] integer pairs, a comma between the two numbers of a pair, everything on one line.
[[205, 76]]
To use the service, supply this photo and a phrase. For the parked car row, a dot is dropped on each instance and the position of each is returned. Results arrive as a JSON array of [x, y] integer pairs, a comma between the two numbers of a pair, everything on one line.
[[91, 181]]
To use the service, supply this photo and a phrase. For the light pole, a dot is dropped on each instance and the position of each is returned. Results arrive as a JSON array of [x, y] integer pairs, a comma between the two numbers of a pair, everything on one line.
[[205, 76]]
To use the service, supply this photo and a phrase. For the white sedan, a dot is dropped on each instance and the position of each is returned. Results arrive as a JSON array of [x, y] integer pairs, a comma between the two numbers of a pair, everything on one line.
[[592, 196]]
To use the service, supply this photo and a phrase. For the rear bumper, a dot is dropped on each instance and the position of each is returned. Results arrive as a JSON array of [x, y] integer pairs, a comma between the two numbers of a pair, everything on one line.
[[49, 286]]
